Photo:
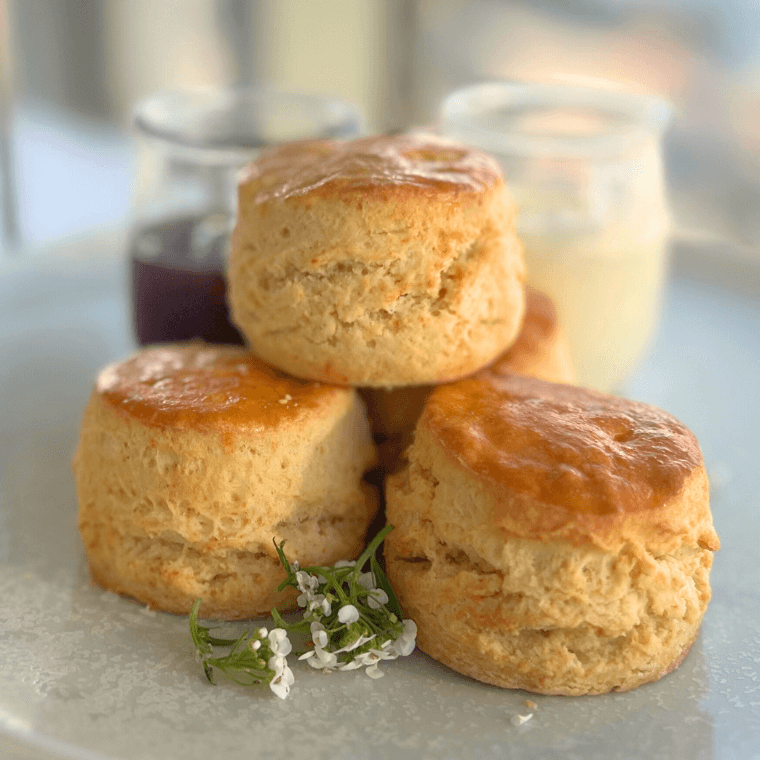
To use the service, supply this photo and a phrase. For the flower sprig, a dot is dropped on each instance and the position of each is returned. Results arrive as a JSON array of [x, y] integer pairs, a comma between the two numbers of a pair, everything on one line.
[[351, 613], [353, 616], [255, 658]]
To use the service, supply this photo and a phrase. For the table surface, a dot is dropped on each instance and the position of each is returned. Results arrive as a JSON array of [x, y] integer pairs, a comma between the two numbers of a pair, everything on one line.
[[86, 674]]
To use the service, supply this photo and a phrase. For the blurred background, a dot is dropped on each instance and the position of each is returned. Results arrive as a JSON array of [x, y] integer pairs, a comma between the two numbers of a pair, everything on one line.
[[71, 71]]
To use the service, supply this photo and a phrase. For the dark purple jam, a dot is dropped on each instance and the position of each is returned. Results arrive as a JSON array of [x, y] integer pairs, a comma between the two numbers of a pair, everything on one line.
[[178, 285]]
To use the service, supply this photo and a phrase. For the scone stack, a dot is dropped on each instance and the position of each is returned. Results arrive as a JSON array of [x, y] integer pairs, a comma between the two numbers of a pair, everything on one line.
[[390, 264], [534, 521]]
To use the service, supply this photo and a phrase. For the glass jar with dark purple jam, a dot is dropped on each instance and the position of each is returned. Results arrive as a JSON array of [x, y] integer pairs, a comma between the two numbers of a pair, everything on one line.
[[190, 148]]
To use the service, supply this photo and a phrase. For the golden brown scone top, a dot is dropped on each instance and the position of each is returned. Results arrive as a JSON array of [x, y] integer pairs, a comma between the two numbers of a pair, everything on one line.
[[583, 452], [203, 387], [374, 166]]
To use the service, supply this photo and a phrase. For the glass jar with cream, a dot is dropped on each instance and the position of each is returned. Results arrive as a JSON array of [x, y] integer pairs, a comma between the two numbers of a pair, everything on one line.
[[585, 168]]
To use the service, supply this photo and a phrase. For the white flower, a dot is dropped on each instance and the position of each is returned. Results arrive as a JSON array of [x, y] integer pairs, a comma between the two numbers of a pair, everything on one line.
[[320, 602], [377, 598], [353, 665], [323, 660], [255, 645], [348, 614], [306, 582], [277, 663], [283, 678], [384, 653], [405, 643], [370, 658], [355, 644], [367, 580], [263, 633], [280, 686], [373, 671], [320, 639], [280, 643]]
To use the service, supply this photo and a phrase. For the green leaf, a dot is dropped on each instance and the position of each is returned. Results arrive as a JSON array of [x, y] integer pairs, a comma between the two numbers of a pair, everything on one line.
[[372, 547], [281, 555], [302, 626], [201, 639], [381, 579], [278, 618]]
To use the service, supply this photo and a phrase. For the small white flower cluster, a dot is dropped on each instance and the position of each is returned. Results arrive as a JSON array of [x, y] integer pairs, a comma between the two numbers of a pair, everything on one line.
[[253, 659], [349, 628], [344, 610], [280, 645], [322, 659]]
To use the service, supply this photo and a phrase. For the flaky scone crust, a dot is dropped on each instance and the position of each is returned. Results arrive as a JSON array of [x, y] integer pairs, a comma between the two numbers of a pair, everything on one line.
[[543, 614], [169, 515], [383, 282]]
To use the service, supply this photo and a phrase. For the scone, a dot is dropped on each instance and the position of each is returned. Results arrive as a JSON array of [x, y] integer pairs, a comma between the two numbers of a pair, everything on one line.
[[384, 261], [192, 459], [551, 538], [540, 350]]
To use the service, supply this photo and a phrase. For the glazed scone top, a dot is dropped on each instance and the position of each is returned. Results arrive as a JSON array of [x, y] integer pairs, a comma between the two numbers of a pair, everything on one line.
[[211, 388], [373, 166], [583, 452]]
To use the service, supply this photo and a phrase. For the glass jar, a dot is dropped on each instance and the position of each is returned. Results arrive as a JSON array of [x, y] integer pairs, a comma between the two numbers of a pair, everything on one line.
[[190, 146], [585, 168]]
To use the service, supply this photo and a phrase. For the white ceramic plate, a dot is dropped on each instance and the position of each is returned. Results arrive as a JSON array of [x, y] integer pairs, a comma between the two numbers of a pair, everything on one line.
[[86, 674]]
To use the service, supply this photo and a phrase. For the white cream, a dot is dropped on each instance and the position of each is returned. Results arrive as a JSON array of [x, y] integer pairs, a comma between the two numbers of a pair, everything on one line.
[[606, 287], [596, 240]]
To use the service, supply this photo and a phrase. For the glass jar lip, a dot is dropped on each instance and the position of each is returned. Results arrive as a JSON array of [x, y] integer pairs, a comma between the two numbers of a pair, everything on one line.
[[229, 124], [644, 116]]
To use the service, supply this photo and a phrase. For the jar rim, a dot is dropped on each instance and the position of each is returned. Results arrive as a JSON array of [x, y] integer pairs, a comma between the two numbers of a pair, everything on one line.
[[226, 125], [633, 117]]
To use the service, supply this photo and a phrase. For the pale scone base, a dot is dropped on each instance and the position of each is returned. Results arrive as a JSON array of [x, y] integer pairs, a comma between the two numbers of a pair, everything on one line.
[[167, 516], [545, 616]]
